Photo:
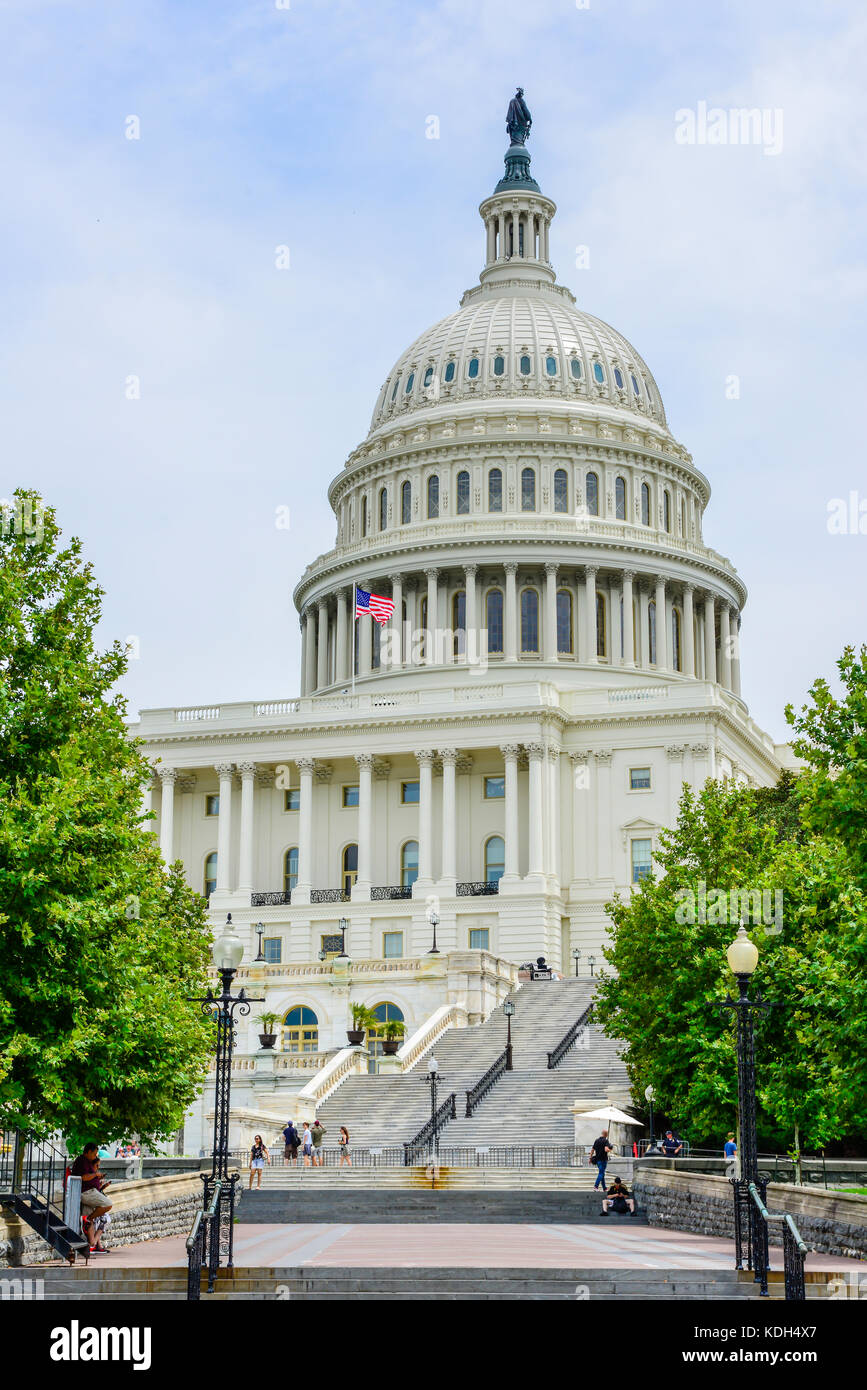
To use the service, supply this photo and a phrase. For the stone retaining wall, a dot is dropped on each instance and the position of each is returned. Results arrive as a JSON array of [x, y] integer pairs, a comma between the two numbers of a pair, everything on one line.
[[833, 1223]]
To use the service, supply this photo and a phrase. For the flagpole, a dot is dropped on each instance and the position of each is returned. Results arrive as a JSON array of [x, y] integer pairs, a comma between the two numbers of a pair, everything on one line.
[[354, 631]]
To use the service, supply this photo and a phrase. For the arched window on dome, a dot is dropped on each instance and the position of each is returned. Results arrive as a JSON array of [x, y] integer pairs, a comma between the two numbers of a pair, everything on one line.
[[300, 1030], [551, 366], [459, 622], [383, 509], [495, 858], [618, 378], [529, 620], [364, 515], [495, 490], [676, 627], [561, 490], [463, 492], [290, 869], [410, 382], [575, 368], [528, 490], [645, 504], [599, 372], [349, 867], [601, 626], [409, 864], [473, 368], [210, 874], [651, 632], [636, 390], [525, 366], [428, 377], [449, 373], [592, 489], [682, 517], [620, 498], [433, 495], [564, 622], [494, 619], [666, 511], [499, 366], [394, 392], [406, 503]]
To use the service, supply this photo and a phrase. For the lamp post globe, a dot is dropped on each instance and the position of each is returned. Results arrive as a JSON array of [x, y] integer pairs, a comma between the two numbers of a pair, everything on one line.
[[344, 928], [227, 951], [509, 1010], [433, 918], [649, 1093], [576, 956]]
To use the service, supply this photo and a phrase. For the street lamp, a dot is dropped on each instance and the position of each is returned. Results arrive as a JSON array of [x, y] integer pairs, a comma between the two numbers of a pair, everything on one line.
[[743, 957], [344, 928], [576, 956], [508, 1010], [433, 1068], [592, 962], [260, 932], [434, 921], [648, 1096]]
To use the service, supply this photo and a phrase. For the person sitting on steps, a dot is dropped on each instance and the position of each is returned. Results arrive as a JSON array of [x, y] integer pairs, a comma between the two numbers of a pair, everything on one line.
[[618, 1199]]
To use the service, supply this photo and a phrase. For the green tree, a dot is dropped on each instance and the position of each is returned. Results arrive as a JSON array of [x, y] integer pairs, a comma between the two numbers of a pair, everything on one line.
[[99, 946]]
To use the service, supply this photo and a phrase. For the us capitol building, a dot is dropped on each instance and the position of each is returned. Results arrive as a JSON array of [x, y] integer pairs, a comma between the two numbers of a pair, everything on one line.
[[502, 755]]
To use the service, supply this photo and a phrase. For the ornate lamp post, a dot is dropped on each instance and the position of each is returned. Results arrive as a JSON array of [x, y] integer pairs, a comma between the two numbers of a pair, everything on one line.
[[592, 962], [260, 932], [743, 957], [576, 956], [344, 928], [433, 1068], [434, 921], [508, 1010], [648, 1096]]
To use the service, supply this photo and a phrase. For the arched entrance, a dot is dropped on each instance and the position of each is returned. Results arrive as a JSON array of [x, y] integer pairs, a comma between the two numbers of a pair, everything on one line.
[[386, 1013]]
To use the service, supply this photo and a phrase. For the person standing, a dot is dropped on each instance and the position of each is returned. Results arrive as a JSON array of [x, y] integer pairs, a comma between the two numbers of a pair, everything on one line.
[[599, 1155], [344, 1147], [307, 1145], [259, 1156], [292, 1142], [93, 1199], [317, 1132], [671, 1147]]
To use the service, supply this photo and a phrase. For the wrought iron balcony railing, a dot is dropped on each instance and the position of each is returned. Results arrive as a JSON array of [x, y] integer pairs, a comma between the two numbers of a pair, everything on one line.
[[329, 895], [270, 899], [478, 890], [390, 892]]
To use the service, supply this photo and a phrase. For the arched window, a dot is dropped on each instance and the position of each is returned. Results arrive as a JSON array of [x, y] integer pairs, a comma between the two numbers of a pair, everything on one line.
[[449, 373], [635, 388], [528, 490], [666, 511], [300, 1030], [564, 621], [383, 508], [599, 372], [459, 622], [495, 858], [682, 517], [499, 366], [409, 864], [529, 620], [618, 378], [601, 627], [428, 377], [364, 516], [620, 499], [394, 392], [645, 504], [561, 490], [592, 494], [290, 869], [494, 619], [210, 874], [495, 490], [410, 381], [675, 638], [376, 1036], [349, 863], [433, 495], [551, 366], [525, 366], [463, 491], [575, 367], [406, 503], [473, 368], [651, 632]]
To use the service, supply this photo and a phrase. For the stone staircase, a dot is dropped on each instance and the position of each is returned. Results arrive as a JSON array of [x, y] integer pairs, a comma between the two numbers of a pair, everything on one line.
[[530, 1105]]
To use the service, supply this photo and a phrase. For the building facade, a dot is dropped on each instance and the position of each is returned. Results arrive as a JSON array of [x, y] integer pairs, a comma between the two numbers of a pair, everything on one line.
[[562, 656]]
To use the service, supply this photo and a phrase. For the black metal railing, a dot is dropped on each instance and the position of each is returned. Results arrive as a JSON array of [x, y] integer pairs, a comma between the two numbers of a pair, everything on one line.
[[568, 1041], [450, 1156], [203, 1246], [484, 1085], [34, 1168], [391, 892], [426, 1139], [794, 1249], [270, 899], [478, 890], [329, 895]]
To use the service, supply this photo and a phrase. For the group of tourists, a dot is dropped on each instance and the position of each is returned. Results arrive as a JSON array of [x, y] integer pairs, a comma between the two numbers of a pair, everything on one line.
[[308, 1144]]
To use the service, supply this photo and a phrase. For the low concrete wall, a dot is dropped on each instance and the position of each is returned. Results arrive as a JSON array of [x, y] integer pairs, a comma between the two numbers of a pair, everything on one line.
[[834, 1171], [833, 1223], [142, 1211]]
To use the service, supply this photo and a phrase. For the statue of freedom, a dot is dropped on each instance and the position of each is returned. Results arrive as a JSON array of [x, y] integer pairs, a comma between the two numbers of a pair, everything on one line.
[[518, 119]]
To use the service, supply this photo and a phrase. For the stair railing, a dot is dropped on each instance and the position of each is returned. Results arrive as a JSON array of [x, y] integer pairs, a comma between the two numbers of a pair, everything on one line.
[[794, 1252], [569, 1039], [421, 1143], [204, 1237], [490, 1078]]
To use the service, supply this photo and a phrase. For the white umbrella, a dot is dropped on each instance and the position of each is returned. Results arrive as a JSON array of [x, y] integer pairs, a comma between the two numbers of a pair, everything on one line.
[[610, 1112]]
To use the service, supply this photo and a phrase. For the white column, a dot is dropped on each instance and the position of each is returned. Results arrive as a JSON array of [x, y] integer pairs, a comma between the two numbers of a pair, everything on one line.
[[168, 777], [688, 642], [510, 757], [725, 649], [661, 628], [446, 649], [301, 892], [225, 772], [674, 753], [709, 639], [309, 651], [397, 620], [448, 876], [473, 643], [510, 637], [554, 812], [302, 679], [515, 241], [424, 756], [590, 614], [603, 813], [322, 646], [550, 612], [580, 816], [245, 862], [361, 887], [147, 805], [535, 811], [628, 622], [341, 666], [430, 652], [736, 651], [501, 238], [642, 654]]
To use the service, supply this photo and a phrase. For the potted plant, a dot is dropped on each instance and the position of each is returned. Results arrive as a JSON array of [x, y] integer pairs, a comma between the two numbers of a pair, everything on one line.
[[362, 1019], [268, 1036], [394, 1031]]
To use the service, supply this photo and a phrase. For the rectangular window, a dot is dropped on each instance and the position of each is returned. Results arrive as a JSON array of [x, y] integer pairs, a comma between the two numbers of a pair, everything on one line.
[[639, 779], [479, 937], [392, 944], [292, 800], [409, 793], [212, 805], [273, 948], [330, 945], [495, 788], [640, 860], [350, 794]]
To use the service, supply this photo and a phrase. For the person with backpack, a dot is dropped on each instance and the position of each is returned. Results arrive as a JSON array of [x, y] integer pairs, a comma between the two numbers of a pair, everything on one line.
[[317, 1132], [292, 1142], [599, 1155]]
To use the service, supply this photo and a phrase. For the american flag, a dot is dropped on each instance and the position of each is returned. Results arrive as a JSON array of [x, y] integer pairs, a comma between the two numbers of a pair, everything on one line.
[[376, 605]]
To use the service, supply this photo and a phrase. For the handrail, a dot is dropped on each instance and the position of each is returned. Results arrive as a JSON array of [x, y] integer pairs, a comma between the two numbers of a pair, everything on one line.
[[414, 1047], [794, 1251], [429, 1131], [486, 1082], [568, 1040], [197, 1243]]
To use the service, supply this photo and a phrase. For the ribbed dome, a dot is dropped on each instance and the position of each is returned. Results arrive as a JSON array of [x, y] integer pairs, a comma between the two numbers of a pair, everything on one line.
[[532, 346]]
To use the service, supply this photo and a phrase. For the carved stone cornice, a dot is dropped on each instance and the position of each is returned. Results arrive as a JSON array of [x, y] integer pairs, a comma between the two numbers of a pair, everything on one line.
[[509, 750], [168, 775], [424, 757], [603, 755], [224, 769], [306, 765], [247, 770], [675, 751], [535, 751]]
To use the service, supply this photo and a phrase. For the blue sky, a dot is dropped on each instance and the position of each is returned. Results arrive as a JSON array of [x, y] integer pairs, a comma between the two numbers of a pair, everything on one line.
[[261, 127]]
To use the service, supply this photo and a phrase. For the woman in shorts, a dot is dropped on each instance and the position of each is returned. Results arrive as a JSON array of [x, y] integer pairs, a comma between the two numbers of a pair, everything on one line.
[[259, 1156], [344, 1147]]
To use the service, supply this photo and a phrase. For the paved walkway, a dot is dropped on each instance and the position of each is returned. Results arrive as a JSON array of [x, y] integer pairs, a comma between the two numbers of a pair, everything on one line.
[[442, 1245]]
